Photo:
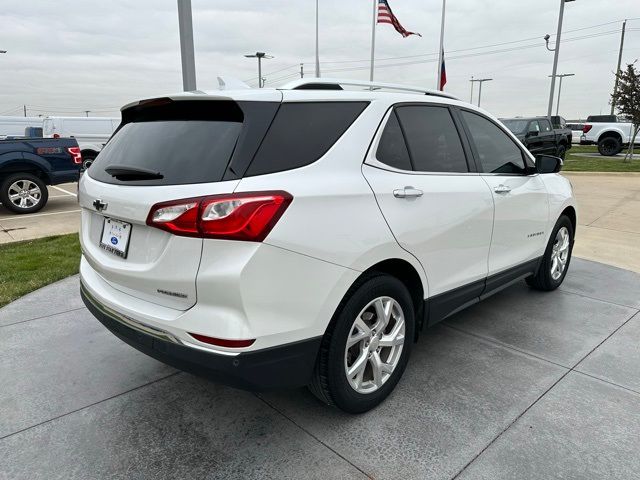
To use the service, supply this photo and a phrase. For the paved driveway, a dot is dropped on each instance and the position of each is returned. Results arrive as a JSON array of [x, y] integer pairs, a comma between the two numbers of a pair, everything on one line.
[[524, 385], [60, 215]]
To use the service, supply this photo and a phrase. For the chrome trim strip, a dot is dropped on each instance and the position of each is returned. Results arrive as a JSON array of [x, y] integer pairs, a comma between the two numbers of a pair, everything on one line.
[[127, 321]]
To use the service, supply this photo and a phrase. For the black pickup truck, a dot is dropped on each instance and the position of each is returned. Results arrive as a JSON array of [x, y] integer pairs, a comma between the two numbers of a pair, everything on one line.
[[28, 165], [539, 136]]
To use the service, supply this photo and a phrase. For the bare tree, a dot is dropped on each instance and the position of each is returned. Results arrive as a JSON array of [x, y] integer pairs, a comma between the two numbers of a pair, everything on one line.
[[627, 101]]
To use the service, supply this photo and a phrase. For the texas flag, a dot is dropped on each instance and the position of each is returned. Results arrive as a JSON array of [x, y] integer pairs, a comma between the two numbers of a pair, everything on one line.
[[443, 74]]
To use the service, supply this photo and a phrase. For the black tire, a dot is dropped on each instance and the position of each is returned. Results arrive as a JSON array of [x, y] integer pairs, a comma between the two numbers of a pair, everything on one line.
[[609, 146], [561, 151], [543, 279], [330, 383], [6, 184], [87, 160]]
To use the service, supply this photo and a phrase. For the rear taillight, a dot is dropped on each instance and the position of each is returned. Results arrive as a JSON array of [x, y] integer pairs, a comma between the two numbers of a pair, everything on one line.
[[586, 128], [75, 154], [241, 216]]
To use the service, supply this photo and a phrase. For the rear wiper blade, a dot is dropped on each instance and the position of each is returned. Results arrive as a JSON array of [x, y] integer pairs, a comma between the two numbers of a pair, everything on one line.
[[123, 172]]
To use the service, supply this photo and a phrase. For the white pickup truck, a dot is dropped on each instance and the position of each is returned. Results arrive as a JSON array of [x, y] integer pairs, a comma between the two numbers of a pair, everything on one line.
[[608, 133]]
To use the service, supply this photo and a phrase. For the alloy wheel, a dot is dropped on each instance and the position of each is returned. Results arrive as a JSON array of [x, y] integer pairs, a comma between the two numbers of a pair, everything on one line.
[[560, 253], [374, 346], [24, 194]]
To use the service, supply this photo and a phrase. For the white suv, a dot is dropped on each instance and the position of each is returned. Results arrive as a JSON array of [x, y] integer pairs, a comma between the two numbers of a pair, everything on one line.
[[306, 235]]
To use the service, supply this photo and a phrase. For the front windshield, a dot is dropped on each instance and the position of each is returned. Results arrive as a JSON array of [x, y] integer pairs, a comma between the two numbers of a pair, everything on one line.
[[516, 126]]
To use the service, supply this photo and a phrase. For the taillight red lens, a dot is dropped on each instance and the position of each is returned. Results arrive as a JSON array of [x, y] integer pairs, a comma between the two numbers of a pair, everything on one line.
[[221, 342], [56, 135], [241, 216], [75, 154], [586, 128]]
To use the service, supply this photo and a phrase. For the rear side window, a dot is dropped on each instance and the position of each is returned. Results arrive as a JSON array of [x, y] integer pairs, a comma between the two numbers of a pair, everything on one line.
[[545, 126], [301, 133], [392, 149], [497, 152], [432, 138]]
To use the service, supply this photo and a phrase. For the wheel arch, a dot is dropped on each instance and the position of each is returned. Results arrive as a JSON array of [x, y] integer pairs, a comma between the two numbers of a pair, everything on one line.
[[89, 151], [610, 134], [407, 273], [570, 212], [24, 166]]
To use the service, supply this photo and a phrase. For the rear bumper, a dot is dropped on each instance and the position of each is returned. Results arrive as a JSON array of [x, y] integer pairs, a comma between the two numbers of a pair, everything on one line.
[[285, 366]]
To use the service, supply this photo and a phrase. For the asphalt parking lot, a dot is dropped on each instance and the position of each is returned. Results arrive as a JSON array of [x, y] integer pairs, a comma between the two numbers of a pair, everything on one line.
[[60, 215], [524, 385]]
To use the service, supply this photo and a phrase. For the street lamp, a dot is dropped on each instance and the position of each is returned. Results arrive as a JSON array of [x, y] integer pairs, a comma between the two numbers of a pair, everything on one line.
[[556, 51], [480, 81], [561, 76], [259, 56]]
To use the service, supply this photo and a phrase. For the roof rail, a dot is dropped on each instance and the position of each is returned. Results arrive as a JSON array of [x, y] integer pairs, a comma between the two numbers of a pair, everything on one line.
[[337, 83]]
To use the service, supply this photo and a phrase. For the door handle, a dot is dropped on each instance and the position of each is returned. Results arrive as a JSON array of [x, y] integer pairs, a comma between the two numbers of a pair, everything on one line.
[[502, 189], [407, 192]]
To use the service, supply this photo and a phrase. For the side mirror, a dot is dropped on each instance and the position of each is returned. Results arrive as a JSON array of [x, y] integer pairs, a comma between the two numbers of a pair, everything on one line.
[[532, 133], [548, 164]]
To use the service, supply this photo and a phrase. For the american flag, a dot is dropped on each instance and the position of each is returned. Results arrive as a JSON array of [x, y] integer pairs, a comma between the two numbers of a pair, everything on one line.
[[385, 15]]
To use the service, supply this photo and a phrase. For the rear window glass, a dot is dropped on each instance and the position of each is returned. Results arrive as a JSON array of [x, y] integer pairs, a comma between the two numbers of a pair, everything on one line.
[[301, 133], [192, 151]]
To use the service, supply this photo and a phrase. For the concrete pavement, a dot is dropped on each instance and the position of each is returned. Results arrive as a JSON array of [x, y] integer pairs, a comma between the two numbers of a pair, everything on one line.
[[60, 215], [524, 385], [608, 218]]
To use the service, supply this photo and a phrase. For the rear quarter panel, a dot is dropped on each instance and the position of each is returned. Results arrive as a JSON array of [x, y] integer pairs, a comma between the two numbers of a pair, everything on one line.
[[560, 194]]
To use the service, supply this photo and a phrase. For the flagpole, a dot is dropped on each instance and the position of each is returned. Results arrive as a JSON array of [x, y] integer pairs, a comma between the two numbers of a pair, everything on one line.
[[441, 50], [373, 37], [317, 45]]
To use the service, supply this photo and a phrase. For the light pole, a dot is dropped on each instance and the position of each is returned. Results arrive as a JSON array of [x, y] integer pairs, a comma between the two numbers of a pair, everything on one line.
[[480, 81], [561, 76], [317, 43], [187, 55], [556, 51], [471, 98], [259, 56], [615, 86]]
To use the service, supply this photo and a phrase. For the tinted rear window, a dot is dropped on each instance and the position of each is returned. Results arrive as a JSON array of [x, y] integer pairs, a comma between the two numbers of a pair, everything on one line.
[[186, 141], [191, 151], [392, 149], [301, 133]]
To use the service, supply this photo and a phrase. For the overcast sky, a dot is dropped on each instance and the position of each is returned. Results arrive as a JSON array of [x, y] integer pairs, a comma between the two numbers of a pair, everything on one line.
[[68, 56]]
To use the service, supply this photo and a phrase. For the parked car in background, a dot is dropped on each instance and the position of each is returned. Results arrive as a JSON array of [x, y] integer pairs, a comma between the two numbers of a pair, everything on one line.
[[539, 136], [610, 137], [17, 126], [576, 131], [305, 235], [559, 123], [90, 132], [28, 165]]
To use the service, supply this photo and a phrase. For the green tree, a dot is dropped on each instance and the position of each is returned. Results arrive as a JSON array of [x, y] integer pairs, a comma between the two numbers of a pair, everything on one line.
[[627, 101]]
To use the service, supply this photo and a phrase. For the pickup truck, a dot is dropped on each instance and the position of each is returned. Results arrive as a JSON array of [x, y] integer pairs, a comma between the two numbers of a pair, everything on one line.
[[537, 134], [610, 137], [28, 165]]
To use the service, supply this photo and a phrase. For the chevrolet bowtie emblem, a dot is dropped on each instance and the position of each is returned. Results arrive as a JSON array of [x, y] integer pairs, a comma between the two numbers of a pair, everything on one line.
[[99, 205]]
